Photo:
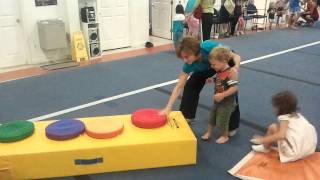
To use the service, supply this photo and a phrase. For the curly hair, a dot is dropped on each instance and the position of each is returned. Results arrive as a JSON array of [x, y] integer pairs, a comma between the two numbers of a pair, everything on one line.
[[285, 102]]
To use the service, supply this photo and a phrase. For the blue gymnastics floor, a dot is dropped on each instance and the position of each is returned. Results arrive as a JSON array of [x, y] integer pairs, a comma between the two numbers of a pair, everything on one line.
[[297, 71]]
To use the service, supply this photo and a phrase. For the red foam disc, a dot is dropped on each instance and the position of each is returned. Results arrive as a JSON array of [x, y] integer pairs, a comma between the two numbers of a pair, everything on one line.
[[148, 118]]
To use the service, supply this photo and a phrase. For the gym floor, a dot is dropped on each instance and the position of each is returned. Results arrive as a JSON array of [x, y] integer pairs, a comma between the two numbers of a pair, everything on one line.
[[271, 61]]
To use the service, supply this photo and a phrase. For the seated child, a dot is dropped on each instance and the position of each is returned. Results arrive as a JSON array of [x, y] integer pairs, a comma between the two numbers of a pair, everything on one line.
[[226, 81], [295, 136], [311, 13]]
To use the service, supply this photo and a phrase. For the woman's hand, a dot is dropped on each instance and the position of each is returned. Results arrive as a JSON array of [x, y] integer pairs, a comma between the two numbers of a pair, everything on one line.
[[209, 80], [257, 139], [237, 59], [166, 111], [218, 97]]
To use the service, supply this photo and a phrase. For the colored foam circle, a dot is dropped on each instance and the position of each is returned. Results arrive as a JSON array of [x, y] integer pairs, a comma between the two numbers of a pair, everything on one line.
[[16, 131], [104, 128], [148, 118], [65, 129]]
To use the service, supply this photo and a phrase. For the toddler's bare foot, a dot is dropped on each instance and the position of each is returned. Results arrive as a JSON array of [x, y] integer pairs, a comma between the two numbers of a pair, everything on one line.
[[206, 136], [222, 140]]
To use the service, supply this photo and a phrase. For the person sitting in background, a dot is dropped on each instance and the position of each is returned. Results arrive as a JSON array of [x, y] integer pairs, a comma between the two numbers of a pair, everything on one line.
[[251, 8], [250, 12], [310, 15]]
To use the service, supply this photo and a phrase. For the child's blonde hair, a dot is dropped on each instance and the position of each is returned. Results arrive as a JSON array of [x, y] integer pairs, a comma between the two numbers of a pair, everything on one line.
[[220, 53]]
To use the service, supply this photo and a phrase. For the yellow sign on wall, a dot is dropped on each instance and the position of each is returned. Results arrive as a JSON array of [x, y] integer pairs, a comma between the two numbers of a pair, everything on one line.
[[79, 51]]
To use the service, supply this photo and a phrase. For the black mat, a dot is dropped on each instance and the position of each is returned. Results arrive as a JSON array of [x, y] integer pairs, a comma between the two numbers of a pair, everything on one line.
[[60, 65]]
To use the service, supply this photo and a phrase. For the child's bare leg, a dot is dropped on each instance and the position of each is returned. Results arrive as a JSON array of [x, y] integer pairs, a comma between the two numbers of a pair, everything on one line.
[[270, 26], [272, 129], [295, 19], [290, 21], [265, 148], [287, 16], [240, 29], [207, 135], [223, 138], [223, 119]]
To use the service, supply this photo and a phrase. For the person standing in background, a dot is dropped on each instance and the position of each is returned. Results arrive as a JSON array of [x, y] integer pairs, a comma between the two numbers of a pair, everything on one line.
[[271, 14], [294, 8], [236, 14], [177, 25], [280, 5], [206, 16]]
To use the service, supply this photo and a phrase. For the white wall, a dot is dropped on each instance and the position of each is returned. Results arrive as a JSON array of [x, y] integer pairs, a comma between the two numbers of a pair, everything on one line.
[[68, 11], [139, 22], [138, 18], [30, 16], [73, 16]]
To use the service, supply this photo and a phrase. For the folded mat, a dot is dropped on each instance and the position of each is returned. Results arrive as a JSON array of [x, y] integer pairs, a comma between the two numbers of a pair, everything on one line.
[[268, 166]]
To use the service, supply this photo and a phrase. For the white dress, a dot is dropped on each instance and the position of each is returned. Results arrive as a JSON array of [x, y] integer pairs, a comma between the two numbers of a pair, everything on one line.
[[300, 140]]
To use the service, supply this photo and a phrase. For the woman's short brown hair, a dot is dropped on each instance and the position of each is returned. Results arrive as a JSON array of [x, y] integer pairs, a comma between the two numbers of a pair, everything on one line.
[[189, 45], [285, 102]]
